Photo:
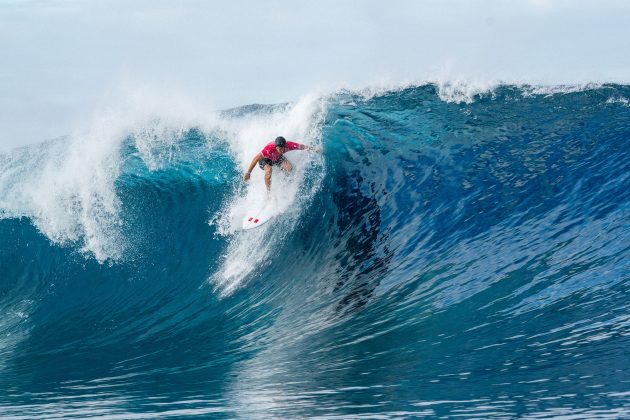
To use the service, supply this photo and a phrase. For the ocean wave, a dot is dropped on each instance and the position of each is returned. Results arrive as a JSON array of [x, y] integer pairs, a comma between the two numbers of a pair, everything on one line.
[[454, 249]]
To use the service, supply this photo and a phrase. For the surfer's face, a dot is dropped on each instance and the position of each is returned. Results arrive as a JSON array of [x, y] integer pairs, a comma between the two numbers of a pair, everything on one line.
[[280, 149]]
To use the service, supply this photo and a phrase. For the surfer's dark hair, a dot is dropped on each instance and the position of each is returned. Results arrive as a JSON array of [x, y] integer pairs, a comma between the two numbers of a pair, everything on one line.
[[280, 141]]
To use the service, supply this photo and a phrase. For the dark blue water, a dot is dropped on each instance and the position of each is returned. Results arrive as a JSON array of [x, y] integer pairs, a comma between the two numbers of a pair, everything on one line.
[[439, 259]]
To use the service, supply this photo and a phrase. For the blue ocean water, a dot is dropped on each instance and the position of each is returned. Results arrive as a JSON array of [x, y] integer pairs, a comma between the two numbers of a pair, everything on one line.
[[444, 256]]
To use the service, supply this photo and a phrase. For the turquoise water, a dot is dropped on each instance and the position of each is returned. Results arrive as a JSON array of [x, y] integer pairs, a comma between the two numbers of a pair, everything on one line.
[[440, 258]]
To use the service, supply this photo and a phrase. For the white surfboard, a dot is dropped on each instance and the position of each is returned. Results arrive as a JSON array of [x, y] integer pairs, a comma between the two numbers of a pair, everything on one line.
[[258, 217]]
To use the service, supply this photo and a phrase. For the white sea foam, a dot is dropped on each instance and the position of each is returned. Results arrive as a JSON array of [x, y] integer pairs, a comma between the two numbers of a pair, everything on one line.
[[619, 100], [463, 91], [67, 186], [550, 90], [454, 90]]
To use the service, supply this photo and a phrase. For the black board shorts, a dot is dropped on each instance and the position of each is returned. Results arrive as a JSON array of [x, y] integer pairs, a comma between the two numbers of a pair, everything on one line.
[[267, 161]]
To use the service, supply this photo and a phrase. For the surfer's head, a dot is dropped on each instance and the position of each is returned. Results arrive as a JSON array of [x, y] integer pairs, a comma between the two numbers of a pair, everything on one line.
[[281, 144]]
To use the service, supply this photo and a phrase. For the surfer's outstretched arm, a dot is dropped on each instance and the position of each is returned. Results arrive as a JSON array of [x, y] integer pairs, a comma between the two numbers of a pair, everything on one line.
[[256, 159], [310, 149]]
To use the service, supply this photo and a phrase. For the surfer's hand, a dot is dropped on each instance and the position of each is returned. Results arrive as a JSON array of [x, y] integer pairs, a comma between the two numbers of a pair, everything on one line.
[[246, 177]]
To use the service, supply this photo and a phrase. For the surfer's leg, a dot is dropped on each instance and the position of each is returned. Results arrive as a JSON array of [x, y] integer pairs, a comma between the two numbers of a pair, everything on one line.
[[286, 165], [268, 170]]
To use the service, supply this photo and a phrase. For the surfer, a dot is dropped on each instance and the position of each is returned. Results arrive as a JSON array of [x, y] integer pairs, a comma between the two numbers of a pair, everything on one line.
[[273, 155]]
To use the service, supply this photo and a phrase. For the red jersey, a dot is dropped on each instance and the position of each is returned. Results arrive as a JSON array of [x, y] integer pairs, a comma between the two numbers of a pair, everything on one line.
[[270, 151]]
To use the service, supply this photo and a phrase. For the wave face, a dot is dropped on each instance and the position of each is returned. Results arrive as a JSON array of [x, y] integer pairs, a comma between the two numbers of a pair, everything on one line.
[[447, 255]]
